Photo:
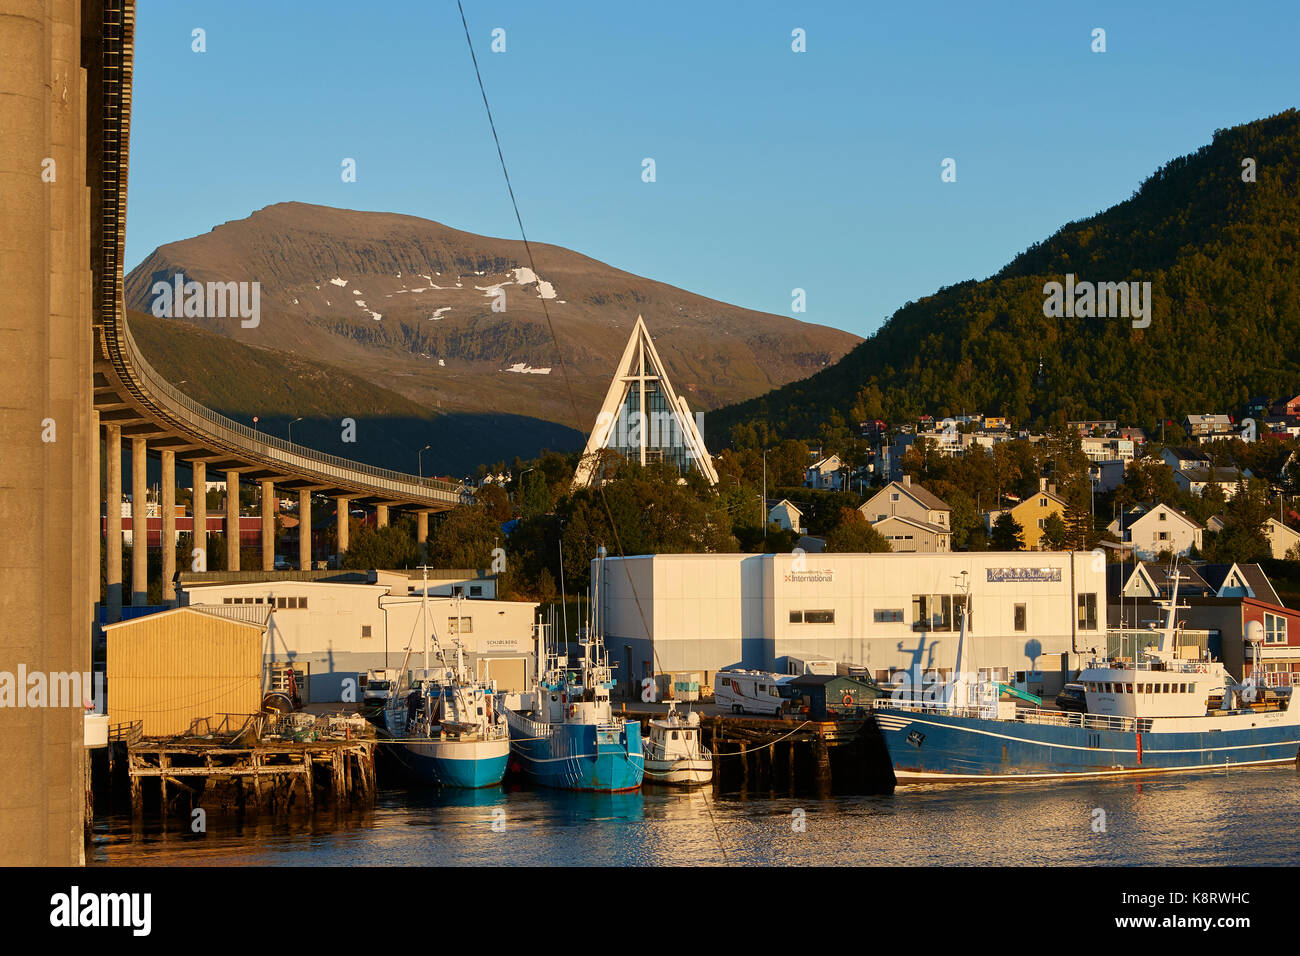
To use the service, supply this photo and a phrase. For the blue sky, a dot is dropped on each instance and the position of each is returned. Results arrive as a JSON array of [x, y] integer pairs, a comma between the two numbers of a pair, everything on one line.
[[774, 169]]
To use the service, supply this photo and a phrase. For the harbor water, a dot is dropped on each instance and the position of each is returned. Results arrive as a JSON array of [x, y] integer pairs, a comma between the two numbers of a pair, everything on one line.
[[1216, 818]]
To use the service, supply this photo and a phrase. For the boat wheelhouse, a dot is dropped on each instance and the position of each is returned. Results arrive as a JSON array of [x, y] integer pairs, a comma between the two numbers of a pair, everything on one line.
[[675, 754]]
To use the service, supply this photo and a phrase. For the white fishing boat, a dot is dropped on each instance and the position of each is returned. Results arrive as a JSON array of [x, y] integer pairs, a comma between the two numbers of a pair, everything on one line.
[[446, 728], [675, 754]]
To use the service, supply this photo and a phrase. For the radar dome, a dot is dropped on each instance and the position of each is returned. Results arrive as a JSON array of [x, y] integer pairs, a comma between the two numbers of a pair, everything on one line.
[[1254, 633]]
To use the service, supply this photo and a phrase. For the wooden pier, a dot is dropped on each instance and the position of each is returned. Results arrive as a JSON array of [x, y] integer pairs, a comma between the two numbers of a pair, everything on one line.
[[242, 772], [795, 756]]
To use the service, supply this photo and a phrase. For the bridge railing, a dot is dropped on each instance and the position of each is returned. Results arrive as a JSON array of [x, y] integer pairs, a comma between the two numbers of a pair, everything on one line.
[[296, 458]]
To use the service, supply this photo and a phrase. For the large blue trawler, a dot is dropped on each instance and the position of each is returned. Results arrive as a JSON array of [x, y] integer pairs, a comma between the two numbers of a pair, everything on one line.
[[564, 733], [1156, 713]]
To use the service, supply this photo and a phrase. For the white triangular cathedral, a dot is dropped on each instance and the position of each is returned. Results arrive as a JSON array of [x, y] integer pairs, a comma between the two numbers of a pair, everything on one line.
[[643, 419]]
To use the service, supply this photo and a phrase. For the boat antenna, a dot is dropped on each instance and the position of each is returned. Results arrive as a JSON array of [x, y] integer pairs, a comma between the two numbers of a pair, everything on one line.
[[564, 599]]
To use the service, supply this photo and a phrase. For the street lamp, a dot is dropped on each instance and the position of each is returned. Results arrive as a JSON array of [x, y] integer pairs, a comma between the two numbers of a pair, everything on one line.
[[762, 504], [291, 429], [419, 457]]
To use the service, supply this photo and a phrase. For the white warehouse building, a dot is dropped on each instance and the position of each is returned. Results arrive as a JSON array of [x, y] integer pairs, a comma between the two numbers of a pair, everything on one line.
[[1030, 611], [333, 631]]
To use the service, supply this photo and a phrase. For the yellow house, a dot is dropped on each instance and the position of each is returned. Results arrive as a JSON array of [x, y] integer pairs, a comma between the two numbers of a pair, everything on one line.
[[1033, 512]]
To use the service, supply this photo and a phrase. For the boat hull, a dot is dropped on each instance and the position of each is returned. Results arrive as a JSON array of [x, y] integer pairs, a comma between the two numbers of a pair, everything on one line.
[[683, 772], [578, 756], [469, 765], [928, 746]]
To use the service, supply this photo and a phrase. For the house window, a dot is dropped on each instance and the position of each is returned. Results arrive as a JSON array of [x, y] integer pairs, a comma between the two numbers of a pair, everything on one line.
[[881, 517], [1088, 612], [1042, 502], [281, 602], [1042, 523], [1022, 615], [1274, 629], [894, 496], [475, 590], [1163, 516], [890, 616], [365, 630]]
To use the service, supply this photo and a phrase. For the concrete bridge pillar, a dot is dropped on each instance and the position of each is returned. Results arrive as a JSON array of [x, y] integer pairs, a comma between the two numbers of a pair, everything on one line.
[[113, 522], [139, 522], [341, 510], [422, 534], [232, 520], [168, 540], [268, 524], [381, 516], [199, 537], [304, 530]]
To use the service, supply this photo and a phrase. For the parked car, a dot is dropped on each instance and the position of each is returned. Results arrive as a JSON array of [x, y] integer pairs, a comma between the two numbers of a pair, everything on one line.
[[1072, 697], [282, 564]]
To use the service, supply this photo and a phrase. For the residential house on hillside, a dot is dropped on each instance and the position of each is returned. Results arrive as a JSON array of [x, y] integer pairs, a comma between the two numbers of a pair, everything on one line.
[[911, 517], [1151, 529], [1180, 459], [1196, 480], [785, 514], [1107, 448], [1107, 475], [825, 473], [1281, 539], [1287, 407], [1032, 514], [1209, 427], [1094, 427]]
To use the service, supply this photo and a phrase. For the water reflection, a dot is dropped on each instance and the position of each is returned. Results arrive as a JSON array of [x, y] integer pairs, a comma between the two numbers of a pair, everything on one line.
[[1247, 816]]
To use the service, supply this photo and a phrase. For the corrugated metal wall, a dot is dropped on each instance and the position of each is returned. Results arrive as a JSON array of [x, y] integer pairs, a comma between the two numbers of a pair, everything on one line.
[[169, 669]]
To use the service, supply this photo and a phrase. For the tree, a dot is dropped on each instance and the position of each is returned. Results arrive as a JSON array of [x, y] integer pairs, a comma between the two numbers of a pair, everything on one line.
[[855, 535], [1007, 535], [1053, 533]]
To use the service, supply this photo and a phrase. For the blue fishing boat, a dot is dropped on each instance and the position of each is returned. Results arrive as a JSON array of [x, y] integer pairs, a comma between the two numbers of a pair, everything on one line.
[[445, 728], [564, 733], [1159, 712]]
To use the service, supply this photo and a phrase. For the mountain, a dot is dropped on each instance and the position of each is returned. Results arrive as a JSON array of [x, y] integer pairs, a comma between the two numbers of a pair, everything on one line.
[[407, 304], [1220, 253], [241, 381]]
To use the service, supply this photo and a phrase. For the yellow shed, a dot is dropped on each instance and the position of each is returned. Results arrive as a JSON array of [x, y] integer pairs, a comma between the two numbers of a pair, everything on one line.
[[170, 668]]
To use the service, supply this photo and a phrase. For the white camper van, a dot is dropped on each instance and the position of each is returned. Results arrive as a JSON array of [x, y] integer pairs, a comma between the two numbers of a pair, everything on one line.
[[799, 667], [751, 692]]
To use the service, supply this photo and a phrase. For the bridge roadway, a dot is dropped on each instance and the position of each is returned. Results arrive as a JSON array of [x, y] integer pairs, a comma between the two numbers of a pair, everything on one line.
[[133, 401]]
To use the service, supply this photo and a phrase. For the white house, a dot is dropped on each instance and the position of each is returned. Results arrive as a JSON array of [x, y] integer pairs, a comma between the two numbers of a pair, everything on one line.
[[825, 473], [785, 514], [1197, 480], [1150, 529], [1180, 459]]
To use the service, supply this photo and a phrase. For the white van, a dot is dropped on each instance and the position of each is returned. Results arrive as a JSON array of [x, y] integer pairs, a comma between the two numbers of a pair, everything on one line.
[[751, 692]]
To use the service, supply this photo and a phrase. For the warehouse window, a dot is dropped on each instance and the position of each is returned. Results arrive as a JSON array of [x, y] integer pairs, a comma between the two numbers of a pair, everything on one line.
[[365, 630], [888, 616], [475, 590], [796, 617], [460, 625], [1022, 616], [819, 617], [1088, 612], [932, 612]]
